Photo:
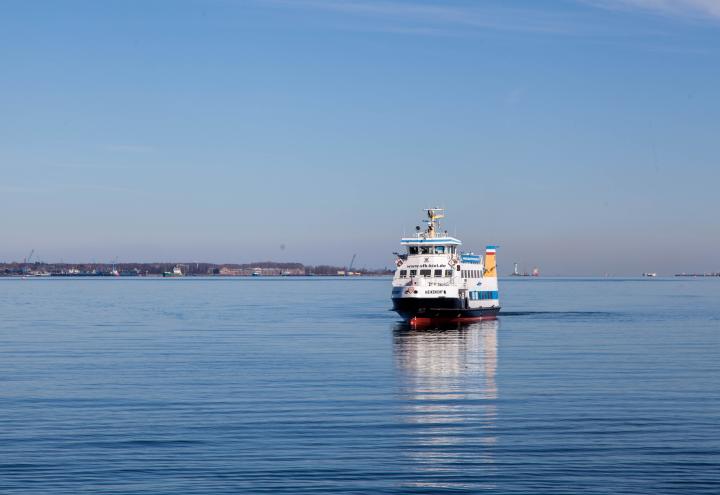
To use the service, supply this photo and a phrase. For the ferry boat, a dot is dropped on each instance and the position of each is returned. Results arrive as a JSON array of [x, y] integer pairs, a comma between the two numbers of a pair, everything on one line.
[[435, 282]]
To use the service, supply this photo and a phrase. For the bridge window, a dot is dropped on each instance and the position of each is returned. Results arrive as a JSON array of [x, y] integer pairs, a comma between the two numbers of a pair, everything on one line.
[[438, 273], [426, 250], [425, 273], [413, 250], [403, 273], [439, 249]]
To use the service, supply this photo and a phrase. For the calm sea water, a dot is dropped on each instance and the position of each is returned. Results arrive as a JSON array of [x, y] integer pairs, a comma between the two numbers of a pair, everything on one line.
[[311, 386]]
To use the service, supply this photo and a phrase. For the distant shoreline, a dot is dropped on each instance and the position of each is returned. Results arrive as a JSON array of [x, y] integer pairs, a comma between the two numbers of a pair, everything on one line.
[[161, 269]]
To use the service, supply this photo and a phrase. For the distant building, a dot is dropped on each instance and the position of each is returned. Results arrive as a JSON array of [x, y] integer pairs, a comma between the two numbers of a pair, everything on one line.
[[236, 271], [233, 272]]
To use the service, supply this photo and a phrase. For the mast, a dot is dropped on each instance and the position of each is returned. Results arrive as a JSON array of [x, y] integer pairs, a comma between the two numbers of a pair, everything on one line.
[[434, 214]]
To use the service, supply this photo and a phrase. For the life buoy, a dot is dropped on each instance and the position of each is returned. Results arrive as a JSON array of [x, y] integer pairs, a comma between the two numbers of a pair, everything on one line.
[[399, 263]]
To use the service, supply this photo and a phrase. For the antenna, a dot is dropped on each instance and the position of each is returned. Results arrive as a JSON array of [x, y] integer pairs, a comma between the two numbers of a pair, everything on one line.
[[434, 214]]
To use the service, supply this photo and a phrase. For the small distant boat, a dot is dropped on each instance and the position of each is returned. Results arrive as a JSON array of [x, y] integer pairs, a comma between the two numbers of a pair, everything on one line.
[[176, 272], [257, 272], [649, 274]]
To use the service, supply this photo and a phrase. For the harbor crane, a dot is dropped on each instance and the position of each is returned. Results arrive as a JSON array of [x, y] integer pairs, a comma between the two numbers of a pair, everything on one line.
[[26, 262], [347, 272]]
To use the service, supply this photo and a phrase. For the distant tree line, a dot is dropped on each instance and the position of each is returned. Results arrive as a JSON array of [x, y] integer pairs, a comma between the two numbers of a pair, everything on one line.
[[140, 269]]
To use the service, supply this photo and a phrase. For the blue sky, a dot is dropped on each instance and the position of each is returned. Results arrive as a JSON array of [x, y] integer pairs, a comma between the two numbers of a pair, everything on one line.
[[581, 136]]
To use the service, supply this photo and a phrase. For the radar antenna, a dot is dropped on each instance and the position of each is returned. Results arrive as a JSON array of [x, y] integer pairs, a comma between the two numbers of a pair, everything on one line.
[[434, 214]]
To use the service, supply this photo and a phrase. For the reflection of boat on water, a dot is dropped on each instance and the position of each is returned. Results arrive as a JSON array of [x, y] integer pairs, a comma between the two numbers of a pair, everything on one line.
[[449, 394]]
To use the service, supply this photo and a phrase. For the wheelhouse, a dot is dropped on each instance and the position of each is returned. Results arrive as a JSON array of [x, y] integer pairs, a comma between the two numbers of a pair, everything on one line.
[[438, 245]]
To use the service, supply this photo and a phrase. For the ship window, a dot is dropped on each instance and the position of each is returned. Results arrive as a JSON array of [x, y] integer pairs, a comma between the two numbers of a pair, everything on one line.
[[413, 273], [413, 250], [448, 273], [425, 250], [439, 249], [403, 273], [438, 273], [425, 273], [464, 273]]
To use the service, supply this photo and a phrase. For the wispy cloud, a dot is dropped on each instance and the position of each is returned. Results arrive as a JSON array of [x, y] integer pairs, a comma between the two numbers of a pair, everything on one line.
[[426, 17], [456, 18], [696, 9]]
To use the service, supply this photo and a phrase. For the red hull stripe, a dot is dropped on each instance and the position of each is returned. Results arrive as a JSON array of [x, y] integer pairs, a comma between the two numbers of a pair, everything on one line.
[[466, 319]]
